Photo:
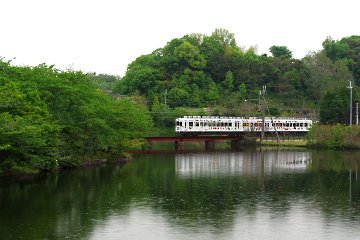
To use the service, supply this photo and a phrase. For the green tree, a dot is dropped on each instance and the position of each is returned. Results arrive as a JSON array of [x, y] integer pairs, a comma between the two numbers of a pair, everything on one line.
[[242, 92], [335, 106], [178, 97], [280, 51], [29, 139], [189, 56], [51, 117], [335, 49], [346, 50], [228, 83], [104, 82], [325, 76]]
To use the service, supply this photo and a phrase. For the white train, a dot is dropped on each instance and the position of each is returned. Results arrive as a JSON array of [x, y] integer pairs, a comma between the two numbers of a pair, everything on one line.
[[201, 125]]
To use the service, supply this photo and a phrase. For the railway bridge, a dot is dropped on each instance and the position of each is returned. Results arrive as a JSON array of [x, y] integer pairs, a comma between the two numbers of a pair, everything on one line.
[[209, 141]]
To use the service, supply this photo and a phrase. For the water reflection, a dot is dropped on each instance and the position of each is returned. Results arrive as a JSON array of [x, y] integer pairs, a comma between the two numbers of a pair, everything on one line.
[[241, 163], [223, 195]]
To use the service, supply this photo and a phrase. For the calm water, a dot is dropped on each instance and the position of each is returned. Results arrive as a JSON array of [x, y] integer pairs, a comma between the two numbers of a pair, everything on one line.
[[267, 194]]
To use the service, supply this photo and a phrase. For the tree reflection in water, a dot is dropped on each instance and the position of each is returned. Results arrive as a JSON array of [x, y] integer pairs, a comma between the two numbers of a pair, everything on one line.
[[195, 195]]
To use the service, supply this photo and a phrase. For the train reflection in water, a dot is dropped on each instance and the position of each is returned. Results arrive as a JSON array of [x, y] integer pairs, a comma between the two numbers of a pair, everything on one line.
[[241, 163]]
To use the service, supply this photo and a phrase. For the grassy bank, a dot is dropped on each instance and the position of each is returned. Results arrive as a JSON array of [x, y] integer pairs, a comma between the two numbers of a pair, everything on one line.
[[284, 143], [334, 136]]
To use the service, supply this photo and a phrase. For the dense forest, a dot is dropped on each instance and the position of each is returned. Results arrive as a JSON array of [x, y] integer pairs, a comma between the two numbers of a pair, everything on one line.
[[51, 118], [213, 72]]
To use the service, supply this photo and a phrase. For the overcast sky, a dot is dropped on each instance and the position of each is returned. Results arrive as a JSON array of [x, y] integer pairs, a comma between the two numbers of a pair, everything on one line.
[[104, 36]]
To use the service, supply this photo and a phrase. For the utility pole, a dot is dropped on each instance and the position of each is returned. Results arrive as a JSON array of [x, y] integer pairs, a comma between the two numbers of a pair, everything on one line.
[[350, 87], [259, 100], [262, 92], [165, 96], [357, 113], [272, 121]]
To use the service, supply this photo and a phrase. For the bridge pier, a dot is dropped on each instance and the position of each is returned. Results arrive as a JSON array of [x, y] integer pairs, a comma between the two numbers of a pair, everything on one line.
[[235, 144], [149, 146], [179, 145], [209, 141], [210, 145]]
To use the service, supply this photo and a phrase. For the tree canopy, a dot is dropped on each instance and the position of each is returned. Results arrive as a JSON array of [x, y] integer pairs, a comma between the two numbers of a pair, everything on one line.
[[51, 118], [280, 51]]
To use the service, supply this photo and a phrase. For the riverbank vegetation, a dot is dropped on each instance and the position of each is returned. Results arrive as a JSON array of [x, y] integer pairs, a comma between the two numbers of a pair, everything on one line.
[[51, 118], [334, 136]]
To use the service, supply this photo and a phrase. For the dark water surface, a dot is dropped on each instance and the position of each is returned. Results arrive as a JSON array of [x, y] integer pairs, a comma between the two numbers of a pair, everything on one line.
[[269, 194]]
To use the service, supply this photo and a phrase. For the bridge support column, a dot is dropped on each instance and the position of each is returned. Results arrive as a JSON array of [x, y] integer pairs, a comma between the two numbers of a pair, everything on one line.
[[149, 146], [210, 145], [235, 144], [179, 145]]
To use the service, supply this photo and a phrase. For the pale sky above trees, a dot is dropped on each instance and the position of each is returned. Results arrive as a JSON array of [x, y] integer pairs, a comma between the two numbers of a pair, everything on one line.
[[104, 36]]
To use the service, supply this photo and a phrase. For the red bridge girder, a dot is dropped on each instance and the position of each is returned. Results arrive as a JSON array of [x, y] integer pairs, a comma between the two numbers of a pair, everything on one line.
[[190, 138]]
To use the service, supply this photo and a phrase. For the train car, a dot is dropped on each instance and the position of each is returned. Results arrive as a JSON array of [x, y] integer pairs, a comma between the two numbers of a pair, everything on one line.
[[207, 125]]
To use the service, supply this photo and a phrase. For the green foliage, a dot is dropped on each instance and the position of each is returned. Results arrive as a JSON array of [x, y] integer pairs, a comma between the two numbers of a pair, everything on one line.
[[103, 81], [335, 106], [199, 70], [280, 51], [51, 118], [242, 92], [334, 49], [190, 56], [335, 136], [29, 139], [325, 76], [228, 83], [346, 50]]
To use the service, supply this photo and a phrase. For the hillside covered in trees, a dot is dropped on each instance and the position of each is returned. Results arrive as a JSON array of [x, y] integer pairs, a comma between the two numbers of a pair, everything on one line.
[[197, 71]]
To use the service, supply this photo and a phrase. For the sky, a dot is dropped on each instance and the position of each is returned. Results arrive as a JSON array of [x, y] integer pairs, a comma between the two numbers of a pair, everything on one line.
[[104, 36]]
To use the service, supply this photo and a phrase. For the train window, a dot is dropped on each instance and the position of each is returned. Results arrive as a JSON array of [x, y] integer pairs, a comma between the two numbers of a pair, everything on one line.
[[301, 124], [306, 124], [197, 124], [191, 124], [230, 124]]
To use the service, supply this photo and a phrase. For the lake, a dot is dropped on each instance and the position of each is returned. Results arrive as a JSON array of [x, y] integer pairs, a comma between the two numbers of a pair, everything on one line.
[[250, 194]]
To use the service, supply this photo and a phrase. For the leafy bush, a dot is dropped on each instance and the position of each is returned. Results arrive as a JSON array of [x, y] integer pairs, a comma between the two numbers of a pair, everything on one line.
[[334, 136]]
